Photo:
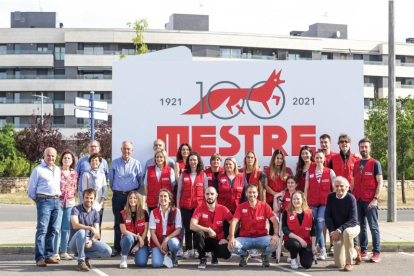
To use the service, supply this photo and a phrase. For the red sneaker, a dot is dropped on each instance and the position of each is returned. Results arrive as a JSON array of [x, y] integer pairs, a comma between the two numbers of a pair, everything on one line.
[[364, 255], [375, 257]]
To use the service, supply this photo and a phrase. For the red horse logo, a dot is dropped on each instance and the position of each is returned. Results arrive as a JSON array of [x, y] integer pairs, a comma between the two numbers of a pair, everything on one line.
[[261, 94]]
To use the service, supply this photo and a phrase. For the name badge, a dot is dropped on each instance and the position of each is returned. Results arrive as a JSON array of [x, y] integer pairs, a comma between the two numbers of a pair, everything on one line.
[[239, 188], [186, 179], [368, 173], [325, 180], [308, 228], [259, 218], [219, 222], [209, 178], [157, 221], [352, 166], [223, 181], [244, 210], [165, 179], [141, 224], [291, 217], [127, 221], [205, 216], [311, 176], [287, 199]]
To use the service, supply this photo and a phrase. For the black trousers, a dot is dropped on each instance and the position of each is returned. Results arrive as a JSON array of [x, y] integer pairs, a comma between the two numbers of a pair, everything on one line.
[[118, 204], [205, 244], [271, 228], [226, 228], [295, 248], [186, 216]]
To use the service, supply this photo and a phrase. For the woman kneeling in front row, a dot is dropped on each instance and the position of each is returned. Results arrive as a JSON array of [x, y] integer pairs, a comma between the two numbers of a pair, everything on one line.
[[299, 231]]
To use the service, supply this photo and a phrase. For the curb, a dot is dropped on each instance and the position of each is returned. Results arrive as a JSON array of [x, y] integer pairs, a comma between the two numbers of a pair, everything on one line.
[[398, 208], [30, 250]]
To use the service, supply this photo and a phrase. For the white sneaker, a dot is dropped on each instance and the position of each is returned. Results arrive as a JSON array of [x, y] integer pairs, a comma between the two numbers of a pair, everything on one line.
[[167, 261], [124, 261], [294, 264], [56, 257], [180, 252], [208, 255], [322, 255], [65, 256], [187, 254], [288, 259], [254, 253], [195, 254]]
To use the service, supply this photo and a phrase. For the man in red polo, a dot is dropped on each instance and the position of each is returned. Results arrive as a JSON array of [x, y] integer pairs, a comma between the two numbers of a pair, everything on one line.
[[253, 215], [207, 224]]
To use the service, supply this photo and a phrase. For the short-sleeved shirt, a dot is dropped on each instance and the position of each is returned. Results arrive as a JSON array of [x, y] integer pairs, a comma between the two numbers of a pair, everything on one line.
[[153, 225], [261, 210], [220, 208], [85, 218]]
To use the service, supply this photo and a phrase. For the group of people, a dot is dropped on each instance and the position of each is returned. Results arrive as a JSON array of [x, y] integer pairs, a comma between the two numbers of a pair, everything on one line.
[[218, 211]]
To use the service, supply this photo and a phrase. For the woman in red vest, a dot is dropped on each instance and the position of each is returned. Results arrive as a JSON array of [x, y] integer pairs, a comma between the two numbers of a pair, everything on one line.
[[182, 154], [230, 186], [299, 231], [318, 186], [157, 177], [165, 226], [133, 223], [252, 172], [305, 161], [215, 169], [191, 185], [285, 195]]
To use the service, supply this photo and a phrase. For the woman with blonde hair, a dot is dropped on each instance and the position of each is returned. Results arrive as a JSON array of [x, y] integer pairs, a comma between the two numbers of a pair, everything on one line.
[[299, 231], [252, 173], [133, 223]]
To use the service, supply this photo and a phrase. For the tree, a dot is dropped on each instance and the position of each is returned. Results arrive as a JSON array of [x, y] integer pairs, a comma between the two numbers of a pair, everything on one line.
[[376, 128], [32, 141], [139, 26], [103, 134], [7, 148]]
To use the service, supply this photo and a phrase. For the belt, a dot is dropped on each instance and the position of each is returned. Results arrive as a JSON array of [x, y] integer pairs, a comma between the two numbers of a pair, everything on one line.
[[46, 196], [121, 192]]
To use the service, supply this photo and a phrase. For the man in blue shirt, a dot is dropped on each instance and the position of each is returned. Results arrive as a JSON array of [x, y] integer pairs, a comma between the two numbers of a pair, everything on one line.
[[125, 175], [84, 232], [84, 166], [44, 190]]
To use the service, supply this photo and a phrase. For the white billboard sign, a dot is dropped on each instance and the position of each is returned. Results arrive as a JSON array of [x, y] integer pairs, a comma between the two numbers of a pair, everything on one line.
[[231, 107]]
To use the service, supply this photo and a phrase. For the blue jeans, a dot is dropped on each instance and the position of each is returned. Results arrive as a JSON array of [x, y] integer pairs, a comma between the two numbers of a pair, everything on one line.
[[319, 216], [158, 257], [99, 249], [118, 204], [47, 222], [63, 229], [141, 256], [371, 215], [244, 243]]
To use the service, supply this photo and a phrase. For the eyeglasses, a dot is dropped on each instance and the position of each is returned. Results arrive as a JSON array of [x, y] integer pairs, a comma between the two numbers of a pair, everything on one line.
[[343, 142]]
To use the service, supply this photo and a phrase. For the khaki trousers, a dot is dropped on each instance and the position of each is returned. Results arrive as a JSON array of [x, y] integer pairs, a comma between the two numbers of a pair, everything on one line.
[[345, 252]]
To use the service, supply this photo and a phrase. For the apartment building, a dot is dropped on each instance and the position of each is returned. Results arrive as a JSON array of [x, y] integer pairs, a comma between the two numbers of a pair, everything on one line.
[[37, 56]]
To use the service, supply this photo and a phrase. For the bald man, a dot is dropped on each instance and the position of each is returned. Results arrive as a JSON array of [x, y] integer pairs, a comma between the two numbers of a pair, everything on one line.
[[44, 190]]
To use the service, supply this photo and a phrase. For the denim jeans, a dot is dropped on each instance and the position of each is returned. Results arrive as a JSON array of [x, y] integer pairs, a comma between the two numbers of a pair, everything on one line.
[[319, 216], [244, 243], [158, 257], [118, 204], [63, 229], [99, 249], [141, 256], [371, 215], [47, 222]]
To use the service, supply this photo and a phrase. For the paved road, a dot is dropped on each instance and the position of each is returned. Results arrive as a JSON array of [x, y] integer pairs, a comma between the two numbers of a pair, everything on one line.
[[391, 264], [10, 212]]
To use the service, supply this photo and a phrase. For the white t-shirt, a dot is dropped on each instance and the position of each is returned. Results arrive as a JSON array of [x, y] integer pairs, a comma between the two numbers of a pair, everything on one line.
[[153, 225]]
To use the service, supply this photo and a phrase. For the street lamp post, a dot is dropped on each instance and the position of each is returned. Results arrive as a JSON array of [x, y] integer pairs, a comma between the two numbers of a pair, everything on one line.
[[41, 104]]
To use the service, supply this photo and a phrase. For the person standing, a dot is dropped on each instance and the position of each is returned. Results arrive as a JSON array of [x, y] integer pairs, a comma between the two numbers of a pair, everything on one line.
[[124, 177], [83, 165], [342, 222], [68, 185], [305, 161], [299, 231], [207, 224], [252, 173], [253, 215], [44, 190], [158, 144], [325, 143], [366, 189], [215, 169], [84, 232]]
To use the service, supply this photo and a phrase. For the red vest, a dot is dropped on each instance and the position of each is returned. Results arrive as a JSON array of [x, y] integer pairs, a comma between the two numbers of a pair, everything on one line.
[[139, 226], [210, 175], [253, 221], [302, 230], [277, 185], [230, 197], [365, 184], [286, 200], [343, 170], [254, 177], [192, 194], [181, 165], [329, 157], [158, 223], [302, 179], [318, 192], [218, 220], [154, 186]]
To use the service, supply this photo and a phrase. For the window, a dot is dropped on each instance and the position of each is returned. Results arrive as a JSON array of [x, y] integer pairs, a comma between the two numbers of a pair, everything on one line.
[[230, 52], [17, 48], [128, 51], [17, 15], [3, 75], [16, 97], [17, 74], [2, 97], [59, 53], [42, 48], [93, 75], [59, 120], [16, 121], [93, 50], [96, 96], [3, 49], [2, 122], [358, 57]]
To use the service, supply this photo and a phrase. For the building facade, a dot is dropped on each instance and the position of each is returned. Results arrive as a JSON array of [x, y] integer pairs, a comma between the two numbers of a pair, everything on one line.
[[64, 63]]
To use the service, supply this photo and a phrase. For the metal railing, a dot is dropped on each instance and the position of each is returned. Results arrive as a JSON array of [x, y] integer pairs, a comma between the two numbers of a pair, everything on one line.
[[95, 77], [26, 52], [33, 77], [23, 101]]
